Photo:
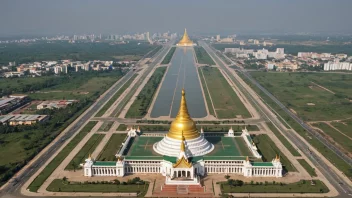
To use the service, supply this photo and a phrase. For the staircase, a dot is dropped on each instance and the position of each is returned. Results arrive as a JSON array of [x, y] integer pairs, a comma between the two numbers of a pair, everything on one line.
[[182, 191]]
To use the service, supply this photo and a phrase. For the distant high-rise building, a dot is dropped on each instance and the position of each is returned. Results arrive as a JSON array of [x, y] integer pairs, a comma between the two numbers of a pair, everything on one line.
[[218, 37]]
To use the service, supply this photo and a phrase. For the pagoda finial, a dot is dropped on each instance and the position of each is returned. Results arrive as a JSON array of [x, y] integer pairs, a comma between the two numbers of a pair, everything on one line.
[[89, 156], [247, 159]]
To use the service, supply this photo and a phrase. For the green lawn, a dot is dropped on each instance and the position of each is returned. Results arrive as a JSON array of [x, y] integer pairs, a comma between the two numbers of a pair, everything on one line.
[[140, 106], [241, 144], [143, 146], [169, 56], [303, 186], [109, 151], [106, 126], [225, 146], [308, 167], [85, 151], [58, 185], [206, 92], [269, 150], [335, 135], [225, 100], [283, 140], [115, 97], [325, 151], [203, 56], [39, 180]]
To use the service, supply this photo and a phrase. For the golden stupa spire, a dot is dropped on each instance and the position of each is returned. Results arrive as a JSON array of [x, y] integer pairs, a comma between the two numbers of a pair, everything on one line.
[[185, 39], [183, 127]]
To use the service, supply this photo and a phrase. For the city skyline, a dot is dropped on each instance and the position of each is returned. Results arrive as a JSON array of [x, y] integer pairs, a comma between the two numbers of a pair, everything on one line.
[[65, 17]]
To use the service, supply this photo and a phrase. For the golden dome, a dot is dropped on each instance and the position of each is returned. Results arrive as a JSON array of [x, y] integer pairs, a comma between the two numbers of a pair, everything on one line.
[[185, 39], [183, 127]]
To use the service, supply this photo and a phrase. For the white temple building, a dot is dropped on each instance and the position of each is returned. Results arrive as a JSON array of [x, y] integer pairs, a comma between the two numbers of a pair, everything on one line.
[[184, 154]]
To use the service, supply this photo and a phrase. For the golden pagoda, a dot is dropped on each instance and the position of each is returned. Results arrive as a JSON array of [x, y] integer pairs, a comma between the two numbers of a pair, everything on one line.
[[185, 41], [183, 130], [183, 126]]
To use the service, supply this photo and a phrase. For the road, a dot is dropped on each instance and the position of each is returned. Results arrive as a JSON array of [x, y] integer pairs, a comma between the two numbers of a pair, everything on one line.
[[16, 183], [344, 189]]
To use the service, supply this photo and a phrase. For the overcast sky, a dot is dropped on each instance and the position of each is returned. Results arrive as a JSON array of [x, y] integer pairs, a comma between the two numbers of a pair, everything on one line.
[[203, 16]]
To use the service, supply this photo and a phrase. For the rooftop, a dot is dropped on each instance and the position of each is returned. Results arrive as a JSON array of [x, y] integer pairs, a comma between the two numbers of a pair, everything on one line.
[[225, 148]]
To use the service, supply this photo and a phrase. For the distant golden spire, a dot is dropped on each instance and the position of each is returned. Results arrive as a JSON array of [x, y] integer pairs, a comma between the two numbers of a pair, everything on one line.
[[89, 156], [247, 159], [183, 127], [185, 39]]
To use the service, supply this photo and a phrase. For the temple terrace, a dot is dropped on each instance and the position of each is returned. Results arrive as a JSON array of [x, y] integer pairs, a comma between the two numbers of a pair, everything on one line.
[[184, 154]]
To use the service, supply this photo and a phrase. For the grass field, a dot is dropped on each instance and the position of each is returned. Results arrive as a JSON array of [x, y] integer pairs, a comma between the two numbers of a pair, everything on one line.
[[337, 137], [269, 151], [206, 92], [140, 106], [168, 56], [115, 97], [39, 180], [298, 187], [344, 126], [225, 100], [106, 126], [203, 56], [83, 154], [109, 151], [121, 127], [308, 167], [329, 94], [290, 123], [283, 140], [58, 185]]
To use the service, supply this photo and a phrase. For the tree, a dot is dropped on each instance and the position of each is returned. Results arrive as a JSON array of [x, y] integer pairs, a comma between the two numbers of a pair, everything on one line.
[[227, 176], [230, 182], [64, 178]]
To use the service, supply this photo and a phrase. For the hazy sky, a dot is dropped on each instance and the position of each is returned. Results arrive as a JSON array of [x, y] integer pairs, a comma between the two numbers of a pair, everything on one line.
[[203, 16]]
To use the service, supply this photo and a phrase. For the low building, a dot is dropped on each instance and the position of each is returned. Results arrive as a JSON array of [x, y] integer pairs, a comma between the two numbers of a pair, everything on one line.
[[8, 104], [330, 66], [55, 104], [13, 74], [22, 119]]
